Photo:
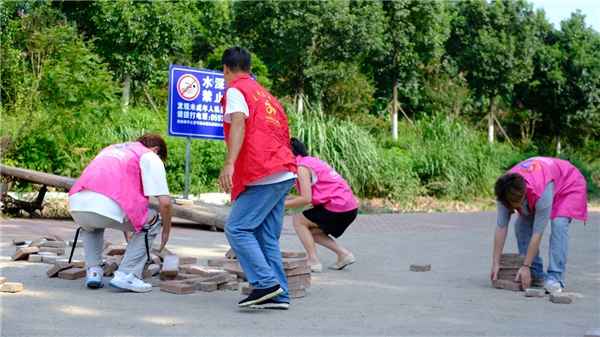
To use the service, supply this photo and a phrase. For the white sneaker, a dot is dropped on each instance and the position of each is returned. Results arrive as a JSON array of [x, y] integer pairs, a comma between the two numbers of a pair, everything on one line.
[[93, 279], [129, 282], [552, 286]]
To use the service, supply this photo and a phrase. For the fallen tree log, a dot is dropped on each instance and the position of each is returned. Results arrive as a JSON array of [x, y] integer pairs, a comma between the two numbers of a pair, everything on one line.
[[199, 213]]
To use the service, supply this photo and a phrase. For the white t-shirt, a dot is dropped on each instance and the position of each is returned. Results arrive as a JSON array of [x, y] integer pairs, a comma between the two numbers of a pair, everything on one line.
[[235, 102], [154, 183]]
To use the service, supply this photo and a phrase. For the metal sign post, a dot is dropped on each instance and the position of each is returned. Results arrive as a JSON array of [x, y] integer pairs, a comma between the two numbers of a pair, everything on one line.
[[194, 107]]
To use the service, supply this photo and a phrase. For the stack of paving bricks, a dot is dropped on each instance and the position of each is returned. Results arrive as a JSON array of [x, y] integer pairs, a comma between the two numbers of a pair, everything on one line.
[[509, 267], [47, 249], [297, 271], [183, 275]]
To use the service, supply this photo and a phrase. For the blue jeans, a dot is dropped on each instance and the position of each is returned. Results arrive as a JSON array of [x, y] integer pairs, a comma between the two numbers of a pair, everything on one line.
[[253, 230], [559, 245]]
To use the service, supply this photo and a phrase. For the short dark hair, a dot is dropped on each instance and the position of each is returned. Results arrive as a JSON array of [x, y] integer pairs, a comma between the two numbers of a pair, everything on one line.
[[151, 140], [298, 148], [509, 189], [237, 59]]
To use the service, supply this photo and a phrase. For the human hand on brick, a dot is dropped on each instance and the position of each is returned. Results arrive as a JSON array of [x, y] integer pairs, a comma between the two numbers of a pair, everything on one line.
[[524, 275], [495, 270]]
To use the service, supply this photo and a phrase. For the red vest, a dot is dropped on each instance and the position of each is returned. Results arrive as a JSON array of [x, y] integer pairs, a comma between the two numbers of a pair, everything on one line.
[[266, 148]]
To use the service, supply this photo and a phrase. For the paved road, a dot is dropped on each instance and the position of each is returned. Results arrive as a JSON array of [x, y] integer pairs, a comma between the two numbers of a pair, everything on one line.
[[378, 296]]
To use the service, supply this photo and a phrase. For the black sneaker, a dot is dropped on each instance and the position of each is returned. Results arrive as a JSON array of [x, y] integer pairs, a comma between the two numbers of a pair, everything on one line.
[[261, 295], [272, 304]]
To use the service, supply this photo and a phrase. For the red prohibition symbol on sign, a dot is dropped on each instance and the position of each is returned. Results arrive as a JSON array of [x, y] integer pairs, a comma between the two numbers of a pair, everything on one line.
[[188, 87]]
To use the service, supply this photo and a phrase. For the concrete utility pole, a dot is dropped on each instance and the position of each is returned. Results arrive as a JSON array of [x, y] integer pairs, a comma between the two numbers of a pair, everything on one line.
[[394, 113]]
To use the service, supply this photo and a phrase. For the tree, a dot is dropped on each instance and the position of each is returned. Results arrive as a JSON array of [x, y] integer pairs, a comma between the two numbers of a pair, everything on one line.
[[137, 38], [415, 35], [493, 44], [565, 88], [303, 42]]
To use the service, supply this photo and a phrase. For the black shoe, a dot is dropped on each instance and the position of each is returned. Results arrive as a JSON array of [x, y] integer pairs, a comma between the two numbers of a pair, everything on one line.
[[271, 304], [261, 295]]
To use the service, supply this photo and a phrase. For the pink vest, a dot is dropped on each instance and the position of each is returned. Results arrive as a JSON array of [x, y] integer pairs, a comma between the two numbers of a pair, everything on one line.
[[115, 172], [570, 188], [329, 189]]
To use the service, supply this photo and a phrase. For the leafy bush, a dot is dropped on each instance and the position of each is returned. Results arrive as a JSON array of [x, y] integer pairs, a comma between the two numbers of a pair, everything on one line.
[[454, 161]]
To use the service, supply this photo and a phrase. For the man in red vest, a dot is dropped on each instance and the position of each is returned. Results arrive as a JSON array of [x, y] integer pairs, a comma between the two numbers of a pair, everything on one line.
[[259, 171]]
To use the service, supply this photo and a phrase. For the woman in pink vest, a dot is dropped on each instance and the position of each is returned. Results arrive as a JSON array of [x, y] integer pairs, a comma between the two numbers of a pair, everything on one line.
[[539, 189], [334, 208], [113, 192]]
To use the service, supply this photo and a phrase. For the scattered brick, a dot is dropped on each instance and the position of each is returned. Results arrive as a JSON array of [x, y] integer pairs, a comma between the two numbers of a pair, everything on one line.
[[57, 251], [202, 270], [535, 292], [74, 263], [218, 262], [420, 267], [115, 250], [57, 268], [288, 254], [38, 242], [188, 260], [70, 243], [291, 263], [54, 244], [508, 273], [234, 267], [299, 281], [72, 274], [49, 259], [562, 298], [35, 258], [23, 253], [206, 286], [11, 287], [53, 237], [176, 287], [232, 285], [511, 260], [298, 271], [507, 284], [109, 268], [151, 270]]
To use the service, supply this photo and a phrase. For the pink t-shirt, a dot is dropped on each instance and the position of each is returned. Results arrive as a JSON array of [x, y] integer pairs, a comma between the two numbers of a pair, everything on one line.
[[328, 187]]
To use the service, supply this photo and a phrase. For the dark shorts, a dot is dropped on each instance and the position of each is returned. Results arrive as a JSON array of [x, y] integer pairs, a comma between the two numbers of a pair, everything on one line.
[[331, 223]]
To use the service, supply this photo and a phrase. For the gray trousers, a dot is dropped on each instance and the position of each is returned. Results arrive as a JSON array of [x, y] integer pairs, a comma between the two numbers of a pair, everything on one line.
[[92, 234]]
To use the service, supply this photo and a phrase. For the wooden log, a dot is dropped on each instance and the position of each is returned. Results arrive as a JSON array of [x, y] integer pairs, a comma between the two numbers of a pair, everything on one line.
[[37, 177], [200, 213]]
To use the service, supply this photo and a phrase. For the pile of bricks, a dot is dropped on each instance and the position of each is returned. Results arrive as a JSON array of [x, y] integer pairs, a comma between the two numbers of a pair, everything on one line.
[[46, 249], [184, 275], [297, 272], [509, 267]]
